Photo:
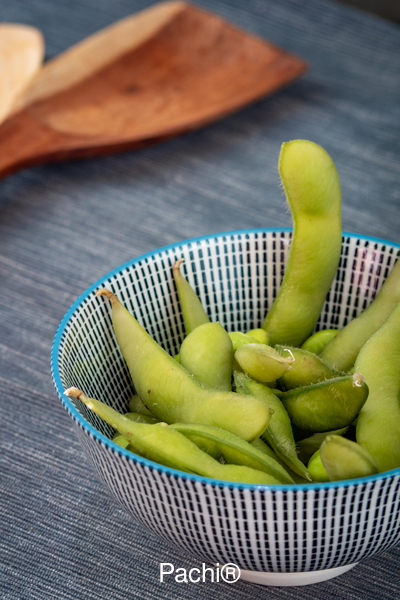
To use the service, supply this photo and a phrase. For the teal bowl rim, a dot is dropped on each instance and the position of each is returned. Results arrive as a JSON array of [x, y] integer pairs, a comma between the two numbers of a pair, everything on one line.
[[75, 414]]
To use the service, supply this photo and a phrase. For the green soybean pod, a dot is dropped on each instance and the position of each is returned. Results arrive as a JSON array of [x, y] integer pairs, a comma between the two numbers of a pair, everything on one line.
[[235, 450], [316, 468], [170, 392], [344, 459], [265, 449], [378, 424], [238, 338], [279, 433], [308, 446], [328, 405], [263, 363], [207, 353], [137, 406], [307, 368], [139, 418], [342, 351], [312, 189], [260, 335], [168, 447], [192, 308], [317, 341]]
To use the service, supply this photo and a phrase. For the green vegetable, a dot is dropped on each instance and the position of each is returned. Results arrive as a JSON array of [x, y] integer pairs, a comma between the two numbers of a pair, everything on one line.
[[171, 393], [279, 433], [342, 351], [317, 469], [312, 188], [317, 342], [328, 405], [307, 368], [166, 446], [235, 450], [240, 339], [136, 406], [192, 309], [262, 362], [344, 459], [207, 353], [378, 424], [309, 445]]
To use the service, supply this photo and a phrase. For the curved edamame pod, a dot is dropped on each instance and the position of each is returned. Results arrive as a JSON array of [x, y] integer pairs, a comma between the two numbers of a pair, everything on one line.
[[344, 459], [262, 363], [307, 368], [378, 424], [342, 351], [279, 433], [317, 341], [328, 405], [312, 189], [168, 447], [171, 393], [235, 450], [192, 310], [207, 353]]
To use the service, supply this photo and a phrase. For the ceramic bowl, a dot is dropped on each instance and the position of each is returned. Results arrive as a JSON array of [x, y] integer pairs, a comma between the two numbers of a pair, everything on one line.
[[277, 535]]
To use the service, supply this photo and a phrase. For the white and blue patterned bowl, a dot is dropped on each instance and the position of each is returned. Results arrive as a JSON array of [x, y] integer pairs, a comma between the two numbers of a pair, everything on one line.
[[278, 535]]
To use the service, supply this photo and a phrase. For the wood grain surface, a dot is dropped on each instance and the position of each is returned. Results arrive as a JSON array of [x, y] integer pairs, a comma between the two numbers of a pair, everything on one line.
[[165, 71]]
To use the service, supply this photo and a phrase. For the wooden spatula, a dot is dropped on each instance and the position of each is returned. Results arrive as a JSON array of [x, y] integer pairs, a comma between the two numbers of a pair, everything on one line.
[[164, 71], [21, 55]]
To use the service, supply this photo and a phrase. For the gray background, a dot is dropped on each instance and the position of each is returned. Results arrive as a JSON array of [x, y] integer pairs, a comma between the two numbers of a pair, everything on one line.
[[62, 226]]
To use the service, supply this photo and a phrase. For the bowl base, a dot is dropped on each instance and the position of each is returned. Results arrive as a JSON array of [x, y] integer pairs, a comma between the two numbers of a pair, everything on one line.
[[293, 579]]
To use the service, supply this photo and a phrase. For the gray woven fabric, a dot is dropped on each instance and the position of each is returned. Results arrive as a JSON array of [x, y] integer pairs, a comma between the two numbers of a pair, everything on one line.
[[62, 226]]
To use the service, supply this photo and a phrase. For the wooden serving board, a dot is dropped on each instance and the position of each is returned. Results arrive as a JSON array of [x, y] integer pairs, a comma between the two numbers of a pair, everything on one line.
[[159, 73]]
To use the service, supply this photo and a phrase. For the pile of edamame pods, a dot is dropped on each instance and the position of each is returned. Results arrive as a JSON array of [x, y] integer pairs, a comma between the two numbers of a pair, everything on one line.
[[277, 404]]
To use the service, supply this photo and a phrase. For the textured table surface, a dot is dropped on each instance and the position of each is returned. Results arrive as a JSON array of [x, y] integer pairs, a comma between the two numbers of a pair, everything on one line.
[[63, 226]]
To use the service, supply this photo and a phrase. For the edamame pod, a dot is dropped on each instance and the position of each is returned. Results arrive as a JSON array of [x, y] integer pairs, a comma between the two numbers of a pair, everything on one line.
[[328, 405], [265, 449], [344, 459], [342, 351], [308, 368], [316, 468], [171, 393], [308, 446], [138, 418], [312, 189], [279, 433], [262, 363], [235, 450], [207, 353], [136, 406], [260, 335], [166, 446], [317, 342], [378, 424], [192, 310], [241, 339], [121, 440]]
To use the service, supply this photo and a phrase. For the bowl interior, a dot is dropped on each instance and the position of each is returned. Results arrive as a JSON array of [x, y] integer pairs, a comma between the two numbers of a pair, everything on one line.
[[236, 275]]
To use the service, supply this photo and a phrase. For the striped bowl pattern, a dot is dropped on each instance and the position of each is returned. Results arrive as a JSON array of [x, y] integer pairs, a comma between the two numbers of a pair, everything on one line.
[[277, 529]]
